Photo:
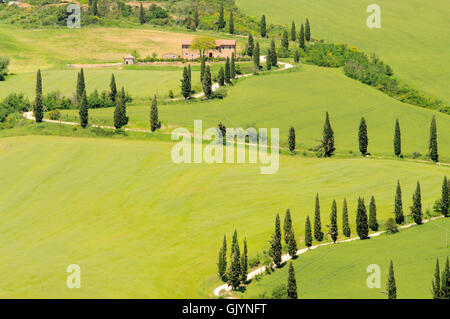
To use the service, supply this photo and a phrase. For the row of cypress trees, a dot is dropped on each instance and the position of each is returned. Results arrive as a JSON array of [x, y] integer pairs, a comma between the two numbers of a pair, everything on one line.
[[440, 286], [228, 73], [237, 270]]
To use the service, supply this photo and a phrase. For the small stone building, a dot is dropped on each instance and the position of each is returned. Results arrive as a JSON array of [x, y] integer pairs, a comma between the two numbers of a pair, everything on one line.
[[224, 49], [129, 59]]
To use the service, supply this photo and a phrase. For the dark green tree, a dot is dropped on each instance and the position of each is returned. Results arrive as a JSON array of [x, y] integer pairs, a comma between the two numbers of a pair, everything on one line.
[[362, 137], [333, 222], [285, 40], [142, 18], [38, 108], [433, 141], [221, 22], [202, 68], [362, 228], [233, 67], [256, 57], [250, 45], [276, 249], [296, 56], [235, 244], [273, 54], [373, 224], [207, 85], [190, 75], [244, 263], [293, 32], [308, 233], [222, 264], [318, 234], [231, 23], [154, 121], [399, 217], [345, 225], [391, 287], [292, 283], [196, 18], [445, 282], [227, 71], [445, 200], [301, 37], [95, 8], [120, 112], [287, 225], [263, 26], [221, 77], [83, 111], [185, 84], [234, 274], [291, 139], [307, 31], [80, 85], [327, 138], [292, 244], [397, 139], [416, 208], [112, 89], [436, 283]]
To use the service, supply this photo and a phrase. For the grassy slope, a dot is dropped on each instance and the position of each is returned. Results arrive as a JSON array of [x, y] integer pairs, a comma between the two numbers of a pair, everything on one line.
[[340, 271], [141, 226], [412, 38], [301, 99]]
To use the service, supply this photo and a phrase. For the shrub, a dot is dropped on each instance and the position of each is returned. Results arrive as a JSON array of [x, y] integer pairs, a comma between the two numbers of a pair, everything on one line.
[[54, 115], [4, 62], [14, 102], [254, 262], [220, 93], [391, 226], [279, 292], [416, 154]]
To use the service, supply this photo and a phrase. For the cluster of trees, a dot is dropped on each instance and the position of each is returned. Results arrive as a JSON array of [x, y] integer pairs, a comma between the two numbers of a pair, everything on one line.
[[237, 270], [440, 288], [4, 62], [13, 103], [326, 147], [225, 75], [154, 12]]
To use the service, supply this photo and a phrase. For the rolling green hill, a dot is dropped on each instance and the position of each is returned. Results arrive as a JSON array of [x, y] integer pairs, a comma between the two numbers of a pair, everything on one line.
[[411, 39], [340, 271], [141, 226]]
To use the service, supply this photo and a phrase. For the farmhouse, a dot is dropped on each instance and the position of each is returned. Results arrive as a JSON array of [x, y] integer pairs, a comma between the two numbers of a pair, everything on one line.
[[169, 56], [224, 49], [129, 59]]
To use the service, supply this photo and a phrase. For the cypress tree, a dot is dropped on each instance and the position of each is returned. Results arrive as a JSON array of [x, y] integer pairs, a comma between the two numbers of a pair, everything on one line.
[[296, 56], [268, 62], [276, 249], [83, 112], [250, 45], [256, 57], [221, 77], [80, 85], [399, 217], [207, 85], [120, 112], [362, 137], [235, 244], [436, 283], [196, 18], [416, 208], [287, 225], [308, 233], [189, 23], [231, 23], [373, 224], [234, 275], [202, 68], [285, 40], [362, 228], [38, 109], [222, 264], [221, 22], [227, 71], [244, 263], [112, 89], [273, 54], [292, 244], [293, 32], [328, 138], [397, 139], [345, 225], [142, 19], [433, 141], [445, 282], [185, 84], [154, 121], [292, 283], [263, 31], [291, 139], [333, 222], [190, 75], [445, 200], [318, 235], [307, 31], [301, 37], [233, 67], [391, 287], [95, 8]]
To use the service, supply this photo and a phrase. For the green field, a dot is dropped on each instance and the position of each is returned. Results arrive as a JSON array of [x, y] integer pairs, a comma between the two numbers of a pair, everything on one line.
[[141, 226], [301, 99], [411, 39], [340, 271]]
